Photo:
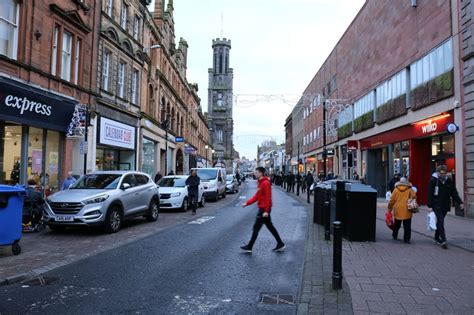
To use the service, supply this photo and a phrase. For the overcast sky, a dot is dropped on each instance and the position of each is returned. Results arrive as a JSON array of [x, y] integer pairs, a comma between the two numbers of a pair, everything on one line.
[[277, 47]]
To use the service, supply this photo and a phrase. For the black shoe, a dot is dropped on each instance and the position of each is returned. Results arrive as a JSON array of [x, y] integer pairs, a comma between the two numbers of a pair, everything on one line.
[[444, 245], [407, 242], [279, 247], [395, 238], [246, 248]]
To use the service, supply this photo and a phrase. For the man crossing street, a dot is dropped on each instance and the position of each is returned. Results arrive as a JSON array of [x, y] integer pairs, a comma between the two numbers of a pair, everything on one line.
[[193, 182], [263, 197]]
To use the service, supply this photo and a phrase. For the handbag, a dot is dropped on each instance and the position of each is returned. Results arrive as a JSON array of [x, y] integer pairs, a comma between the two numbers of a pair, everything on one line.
[[389, 220], [412, 205]]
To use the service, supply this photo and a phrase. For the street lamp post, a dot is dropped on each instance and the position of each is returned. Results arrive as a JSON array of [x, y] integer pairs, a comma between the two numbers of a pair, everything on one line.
[[207, 153], [325, 155]]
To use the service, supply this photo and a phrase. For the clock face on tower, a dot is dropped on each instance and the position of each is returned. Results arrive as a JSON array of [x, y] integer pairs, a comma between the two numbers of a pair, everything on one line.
[[220, 100]]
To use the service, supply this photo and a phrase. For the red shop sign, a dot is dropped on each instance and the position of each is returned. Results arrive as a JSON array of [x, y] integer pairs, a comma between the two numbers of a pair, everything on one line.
[[423, 128]]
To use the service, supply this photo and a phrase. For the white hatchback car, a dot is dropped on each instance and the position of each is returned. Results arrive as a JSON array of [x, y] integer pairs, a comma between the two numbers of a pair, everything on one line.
[[174, 193]]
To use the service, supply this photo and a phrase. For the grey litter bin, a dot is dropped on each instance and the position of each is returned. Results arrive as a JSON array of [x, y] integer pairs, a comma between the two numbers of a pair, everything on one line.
[[359, 213]]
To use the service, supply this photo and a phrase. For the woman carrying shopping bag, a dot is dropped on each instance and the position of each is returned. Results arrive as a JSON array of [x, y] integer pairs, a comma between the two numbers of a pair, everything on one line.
[[401, 203]]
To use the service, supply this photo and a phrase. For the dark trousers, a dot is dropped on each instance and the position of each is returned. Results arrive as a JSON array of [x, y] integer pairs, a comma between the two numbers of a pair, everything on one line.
[[298, 186], [440, 234], [259, 222], [193, 201], [308, 193], [406, 229]]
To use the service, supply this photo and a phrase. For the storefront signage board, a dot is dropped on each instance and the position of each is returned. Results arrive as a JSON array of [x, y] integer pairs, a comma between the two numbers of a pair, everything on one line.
[[31, 106], [116, 134]]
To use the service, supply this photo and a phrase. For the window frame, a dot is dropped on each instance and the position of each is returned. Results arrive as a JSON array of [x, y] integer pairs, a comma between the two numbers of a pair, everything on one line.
[[109, 6], [124, 15], [121, 69], [105, 84], [15, 25], [134, 87]]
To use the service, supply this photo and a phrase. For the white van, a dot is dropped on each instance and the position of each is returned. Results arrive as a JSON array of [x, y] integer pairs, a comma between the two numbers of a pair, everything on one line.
[[214, 182]]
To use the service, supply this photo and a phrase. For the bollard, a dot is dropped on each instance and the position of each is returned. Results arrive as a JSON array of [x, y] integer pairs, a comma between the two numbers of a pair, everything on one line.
[[337, 256], [327, 220]]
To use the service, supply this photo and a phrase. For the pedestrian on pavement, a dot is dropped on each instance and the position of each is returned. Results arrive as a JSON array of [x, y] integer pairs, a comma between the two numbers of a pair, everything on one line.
[[158, 176], [309, 181], [330, 176], [171, 173], [291, 182], [298, 183], [355, 176], [192, 182], [399, 206], [263, 197], [391, 184], [441, 190], [68, 181]]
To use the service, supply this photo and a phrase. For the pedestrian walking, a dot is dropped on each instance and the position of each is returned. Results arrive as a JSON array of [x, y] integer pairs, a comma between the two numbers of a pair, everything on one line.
[[355, 176], [398, 204], [391, 184], [263, 197], [158, 176], [441, 190], [298, 183], [309, 180], [68, 181], [192, 182], [291, 182]]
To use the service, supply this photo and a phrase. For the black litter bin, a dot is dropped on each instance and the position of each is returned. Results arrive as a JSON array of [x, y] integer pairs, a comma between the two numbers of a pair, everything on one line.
[[318, 205], [359, 213], [338, 200]]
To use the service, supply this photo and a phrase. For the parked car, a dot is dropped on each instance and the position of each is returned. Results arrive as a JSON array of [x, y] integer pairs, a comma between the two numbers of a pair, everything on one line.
[[213, 180], [174, 193], [232, 185], [103, 198]]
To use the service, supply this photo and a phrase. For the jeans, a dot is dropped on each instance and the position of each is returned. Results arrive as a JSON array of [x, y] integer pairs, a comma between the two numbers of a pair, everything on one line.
[[259, 222], [440, 234], [406, 229], [193, 201]]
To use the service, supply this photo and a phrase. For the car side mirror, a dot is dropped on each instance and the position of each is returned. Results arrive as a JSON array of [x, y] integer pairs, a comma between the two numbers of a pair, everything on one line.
[[125, 186]]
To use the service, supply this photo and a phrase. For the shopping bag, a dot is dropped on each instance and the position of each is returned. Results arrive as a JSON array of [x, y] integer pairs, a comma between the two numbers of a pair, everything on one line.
[[389, 220], [312, 187], [431, 221], [388, 195]]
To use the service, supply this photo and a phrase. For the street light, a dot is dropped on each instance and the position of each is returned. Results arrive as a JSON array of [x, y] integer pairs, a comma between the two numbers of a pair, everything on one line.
[[165, 126], [213, 151], [207, 153], [147, 49]]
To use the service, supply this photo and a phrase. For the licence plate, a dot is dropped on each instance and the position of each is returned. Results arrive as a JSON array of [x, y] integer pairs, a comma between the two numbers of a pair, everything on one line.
[[64, 218]]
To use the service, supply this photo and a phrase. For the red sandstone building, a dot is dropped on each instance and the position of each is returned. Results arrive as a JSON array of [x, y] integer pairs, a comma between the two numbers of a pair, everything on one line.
[[47, 80], [391, 87]]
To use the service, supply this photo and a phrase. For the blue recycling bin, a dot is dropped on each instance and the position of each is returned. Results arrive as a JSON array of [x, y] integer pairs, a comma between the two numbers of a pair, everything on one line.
[[11, 210]]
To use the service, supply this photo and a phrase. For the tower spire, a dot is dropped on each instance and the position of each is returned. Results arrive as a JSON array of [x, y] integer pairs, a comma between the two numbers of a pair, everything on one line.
[[222, 24]]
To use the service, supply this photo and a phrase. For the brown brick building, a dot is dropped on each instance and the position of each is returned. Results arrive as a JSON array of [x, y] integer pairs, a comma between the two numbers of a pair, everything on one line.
[[391, 87], [47, 80]]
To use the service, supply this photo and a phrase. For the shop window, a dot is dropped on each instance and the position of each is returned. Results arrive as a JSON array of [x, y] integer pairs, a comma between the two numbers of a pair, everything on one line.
[[9, 28], [10, 154], [52, 160], [448, 144], [35, 156], [435, 146]]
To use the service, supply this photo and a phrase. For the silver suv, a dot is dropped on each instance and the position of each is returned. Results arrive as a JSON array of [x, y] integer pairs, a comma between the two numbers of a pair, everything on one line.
[[103, 198]]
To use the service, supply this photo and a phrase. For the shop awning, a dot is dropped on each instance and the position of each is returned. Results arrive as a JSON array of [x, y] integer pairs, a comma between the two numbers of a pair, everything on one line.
[[25, 104]]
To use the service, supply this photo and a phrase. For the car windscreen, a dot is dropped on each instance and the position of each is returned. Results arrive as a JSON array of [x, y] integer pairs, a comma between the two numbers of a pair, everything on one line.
[[230, 178], [172, 182], [207, 174], [97, 181]]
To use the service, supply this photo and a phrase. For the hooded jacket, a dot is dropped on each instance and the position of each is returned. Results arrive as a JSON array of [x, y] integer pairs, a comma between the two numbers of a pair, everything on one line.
[[193, 184], [399, 200], [446, 191], [263, 197]]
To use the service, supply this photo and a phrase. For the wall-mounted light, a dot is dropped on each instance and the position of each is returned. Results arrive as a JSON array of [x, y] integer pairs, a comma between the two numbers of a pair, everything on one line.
[[413, 3], [38, 34]]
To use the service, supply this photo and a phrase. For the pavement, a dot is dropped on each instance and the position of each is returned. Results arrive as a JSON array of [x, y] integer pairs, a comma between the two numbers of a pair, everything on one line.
[[191, 267], [47, 250], [390, 277]]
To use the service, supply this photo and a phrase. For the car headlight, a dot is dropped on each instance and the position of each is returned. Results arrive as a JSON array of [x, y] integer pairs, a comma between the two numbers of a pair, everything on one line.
[[98, 199], [175, 194]]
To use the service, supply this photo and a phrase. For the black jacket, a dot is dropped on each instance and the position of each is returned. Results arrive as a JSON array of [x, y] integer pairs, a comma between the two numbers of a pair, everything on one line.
[[446, 191], [309, 180], [291, 178], [193, 184]]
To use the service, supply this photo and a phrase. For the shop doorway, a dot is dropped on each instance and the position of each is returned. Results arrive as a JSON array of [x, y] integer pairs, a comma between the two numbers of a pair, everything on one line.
[[377, 170], [179, 162], [420, 157]]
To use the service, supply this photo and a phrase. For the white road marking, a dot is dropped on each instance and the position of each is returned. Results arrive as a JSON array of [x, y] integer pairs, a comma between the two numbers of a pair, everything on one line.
[[242, 197], [201, 220]]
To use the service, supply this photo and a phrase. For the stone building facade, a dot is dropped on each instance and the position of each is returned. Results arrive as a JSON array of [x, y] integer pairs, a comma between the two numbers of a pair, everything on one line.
[[220, 103], [47, 83]]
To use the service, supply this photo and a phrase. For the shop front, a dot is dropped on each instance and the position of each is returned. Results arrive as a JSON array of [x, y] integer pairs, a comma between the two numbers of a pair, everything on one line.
[[116, 145], [34, 125], [413, 151], [349, 159]]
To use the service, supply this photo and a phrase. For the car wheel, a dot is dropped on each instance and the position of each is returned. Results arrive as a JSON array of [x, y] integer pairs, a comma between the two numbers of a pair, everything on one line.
[[216, 198], [57, 228], [185, 205], [16, 249], [203, 201], [113, 220], [224, 195], [154, 211]]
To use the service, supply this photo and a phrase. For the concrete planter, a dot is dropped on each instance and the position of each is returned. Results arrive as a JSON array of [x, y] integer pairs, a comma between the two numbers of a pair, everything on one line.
[[364, 122], [391, 110], [433, 91]]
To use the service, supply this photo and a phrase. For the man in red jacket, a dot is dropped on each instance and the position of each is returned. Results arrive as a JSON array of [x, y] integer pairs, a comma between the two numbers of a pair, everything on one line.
[[263, 197]]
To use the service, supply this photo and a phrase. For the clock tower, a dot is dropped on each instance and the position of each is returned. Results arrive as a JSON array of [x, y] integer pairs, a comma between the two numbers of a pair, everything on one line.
[[220, 102]]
